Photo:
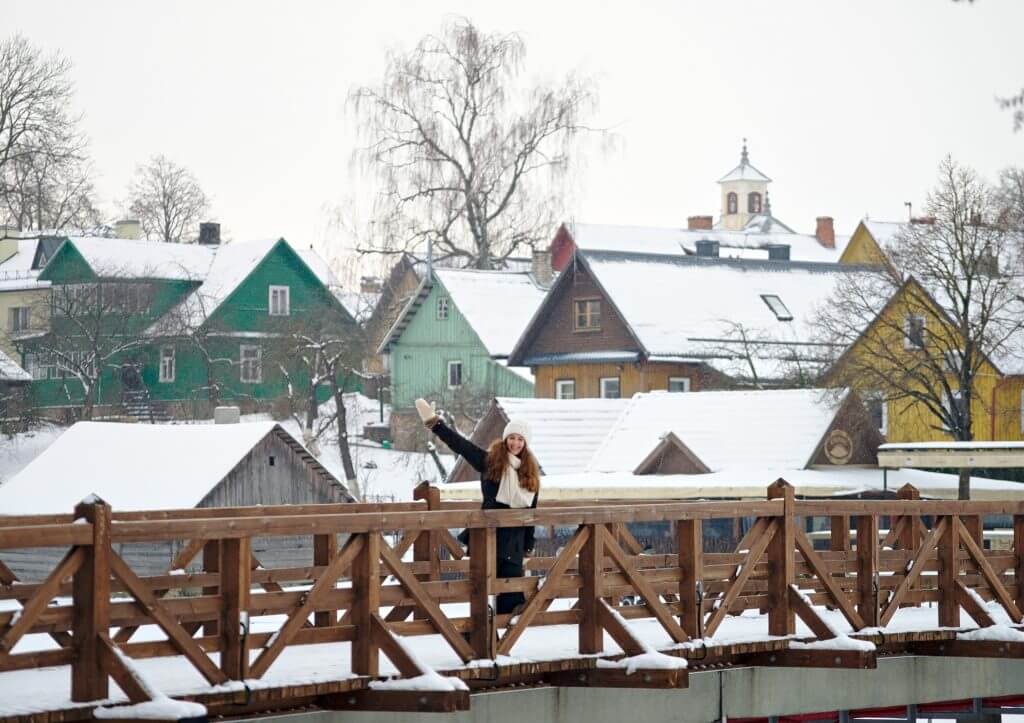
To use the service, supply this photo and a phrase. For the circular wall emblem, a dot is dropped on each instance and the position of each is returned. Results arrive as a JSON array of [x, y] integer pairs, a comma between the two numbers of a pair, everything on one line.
[[838, 447]]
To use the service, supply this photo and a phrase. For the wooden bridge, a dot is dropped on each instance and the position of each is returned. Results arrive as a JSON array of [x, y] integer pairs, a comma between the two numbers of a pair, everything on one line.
[[361, 596]]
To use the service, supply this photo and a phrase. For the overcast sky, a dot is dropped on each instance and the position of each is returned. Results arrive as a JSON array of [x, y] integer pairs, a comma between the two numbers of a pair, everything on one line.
[[849, 106]]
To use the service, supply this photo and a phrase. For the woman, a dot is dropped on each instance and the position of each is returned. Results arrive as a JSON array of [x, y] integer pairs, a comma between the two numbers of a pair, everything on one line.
[[509, 479]]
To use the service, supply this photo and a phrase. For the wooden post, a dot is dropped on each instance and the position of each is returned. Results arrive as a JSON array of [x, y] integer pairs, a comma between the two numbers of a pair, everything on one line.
[[366, 604], [974, 525], [90, 590], [690, 550], [867, 569], [427, 547], [949, 571], [325, 549], [235, 581], [839, 533], [782, 562], [482, 572], [910, 537], [591, 566], [1018, 552], [211, 564]]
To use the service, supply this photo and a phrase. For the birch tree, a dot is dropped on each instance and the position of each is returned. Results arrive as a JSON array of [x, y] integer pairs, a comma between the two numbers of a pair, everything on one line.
[[469, 158]]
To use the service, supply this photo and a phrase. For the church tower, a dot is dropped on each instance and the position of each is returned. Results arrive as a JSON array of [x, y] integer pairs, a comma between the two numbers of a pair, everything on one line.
[[744, 194]]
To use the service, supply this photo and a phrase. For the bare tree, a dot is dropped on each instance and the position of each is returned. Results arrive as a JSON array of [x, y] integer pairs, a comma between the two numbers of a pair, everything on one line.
[[468, 159], [918, 332], [167, 201], [1010, 197], [94, 329], [45, 175]]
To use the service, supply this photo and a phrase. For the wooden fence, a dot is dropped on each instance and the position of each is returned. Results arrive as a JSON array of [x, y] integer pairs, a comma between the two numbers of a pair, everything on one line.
[[931, 553]]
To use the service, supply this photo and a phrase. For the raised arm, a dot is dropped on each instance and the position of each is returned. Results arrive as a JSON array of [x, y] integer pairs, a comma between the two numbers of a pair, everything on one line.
[[476, 457]]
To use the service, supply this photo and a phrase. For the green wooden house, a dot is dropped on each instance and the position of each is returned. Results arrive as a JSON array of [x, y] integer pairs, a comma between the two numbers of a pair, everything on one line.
[[167, 323], [451, 341]]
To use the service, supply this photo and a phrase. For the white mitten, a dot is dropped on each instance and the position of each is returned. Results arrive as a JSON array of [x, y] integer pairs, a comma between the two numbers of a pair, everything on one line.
[[426, 411]]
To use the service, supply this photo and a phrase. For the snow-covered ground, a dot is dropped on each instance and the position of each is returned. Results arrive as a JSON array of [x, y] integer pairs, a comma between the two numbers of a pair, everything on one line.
[[25, 692]]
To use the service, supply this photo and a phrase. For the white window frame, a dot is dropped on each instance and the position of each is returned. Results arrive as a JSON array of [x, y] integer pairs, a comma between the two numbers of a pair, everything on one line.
[[168, 364], [908, 343], [283, 292], [247, 364], [562, 384], [685, 381], [443, 308], [618, 383], [23, 315], [454, 364]]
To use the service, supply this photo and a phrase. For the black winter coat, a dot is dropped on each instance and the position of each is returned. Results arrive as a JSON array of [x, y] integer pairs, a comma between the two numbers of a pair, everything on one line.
[[512, 543]]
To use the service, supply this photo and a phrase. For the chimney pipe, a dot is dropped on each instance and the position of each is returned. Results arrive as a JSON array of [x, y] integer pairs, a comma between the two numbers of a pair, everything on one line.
[[226, 415], [699, 223], [209, 233], [541, 267], [826, 232], [128, 228]]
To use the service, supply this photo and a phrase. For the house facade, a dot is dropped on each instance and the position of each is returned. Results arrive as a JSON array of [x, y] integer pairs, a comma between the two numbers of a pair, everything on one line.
[[174, 322], [451, 342], [22, 293]]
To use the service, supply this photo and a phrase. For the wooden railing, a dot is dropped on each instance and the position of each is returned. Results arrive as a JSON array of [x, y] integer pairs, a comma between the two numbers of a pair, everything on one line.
[[932, 553]]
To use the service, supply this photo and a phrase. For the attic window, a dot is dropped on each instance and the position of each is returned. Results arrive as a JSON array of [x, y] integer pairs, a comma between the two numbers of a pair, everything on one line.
[[777, 307], [442, 308], [270, 461], [914, 332]]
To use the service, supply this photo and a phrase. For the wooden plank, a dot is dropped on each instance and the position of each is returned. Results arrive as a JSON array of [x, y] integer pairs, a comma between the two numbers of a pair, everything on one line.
[[91, 605], [643, 588], [115, 667], [969, 603], [985, 568], [690, 547], [619, 631], [22, 536], [916, 567], [817, 565], [398, 701], [757, 549], [867, 569], [670, 678], [839, 533], [45, 592], [482, 572], [809, 615], [297, 618], [167, 622], [968, 648], [398, 655], [626, 539], [949, 571], [815, 658], [325, 549], [781, 559], [540, 600], [1018, 553], [427, 604], [187, 553], [234, 618], [591, 564], [211, 564], [7, 576], [455, 548], [366, 588]]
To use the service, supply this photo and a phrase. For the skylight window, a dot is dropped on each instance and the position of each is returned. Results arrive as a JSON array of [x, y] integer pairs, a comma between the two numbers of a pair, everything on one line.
[[777, 307]]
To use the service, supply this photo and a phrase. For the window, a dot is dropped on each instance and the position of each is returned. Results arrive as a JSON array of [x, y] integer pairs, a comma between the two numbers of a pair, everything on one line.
[[679, 384], [279, 301], [251, 362], [565, 389], [782, 313], [39, 366], [167, 363], [610, 388], [878, 409], [72, 363], [754, 203], [442, 308], [955, 406], [731, 203], [915, 332], [454, 374], [587, 315], [18, 318]]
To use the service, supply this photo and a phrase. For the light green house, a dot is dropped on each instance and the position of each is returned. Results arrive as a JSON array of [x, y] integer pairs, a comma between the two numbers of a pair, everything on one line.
[[451, 341]]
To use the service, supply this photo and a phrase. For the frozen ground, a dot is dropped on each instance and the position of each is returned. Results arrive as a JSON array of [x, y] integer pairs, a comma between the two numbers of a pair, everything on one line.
[[25, 692]]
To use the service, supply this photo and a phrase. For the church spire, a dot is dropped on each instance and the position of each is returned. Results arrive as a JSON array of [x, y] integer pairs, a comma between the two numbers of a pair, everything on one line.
[[744, 159]]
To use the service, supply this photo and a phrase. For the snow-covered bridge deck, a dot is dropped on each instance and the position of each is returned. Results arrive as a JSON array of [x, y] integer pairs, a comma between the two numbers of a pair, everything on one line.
[[240, 639]]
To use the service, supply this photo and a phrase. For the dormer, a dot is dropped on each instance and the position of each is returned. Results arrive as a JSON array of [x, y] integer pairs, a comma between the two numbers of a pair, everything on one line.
[[744, 193]]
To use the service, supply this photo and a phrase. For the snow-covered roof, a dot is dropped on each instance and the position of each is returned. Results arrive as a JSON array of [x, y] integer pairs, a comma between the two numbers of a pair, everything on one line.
[[127, 258], [779, 429], [10, 371], [751, 243], [744, 172], [693, 306], [884, 232], [16, 272], [564, 433], [132, 466], [497, 304], [359, 304]]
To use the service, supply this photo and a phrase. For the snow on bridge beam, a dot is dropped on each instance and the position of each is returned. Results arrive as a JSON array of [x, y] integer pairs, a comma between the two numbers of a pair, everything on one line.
[[951, 455]]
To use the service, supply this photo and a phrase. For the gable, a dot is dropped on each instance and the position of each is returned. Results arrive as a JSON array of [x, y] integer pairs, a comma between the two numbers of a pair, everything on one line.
[[67, 266], [851, 438], [398, 289], [422, 327], [671, 456], [552, 329], [863, 249]]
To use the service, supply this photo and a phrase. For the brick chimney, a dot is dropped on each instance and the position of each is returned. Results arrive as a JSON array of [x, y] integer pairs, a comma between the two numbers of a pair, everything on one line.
[[209, 233], [699, 223], [825, 232], [541, 267]]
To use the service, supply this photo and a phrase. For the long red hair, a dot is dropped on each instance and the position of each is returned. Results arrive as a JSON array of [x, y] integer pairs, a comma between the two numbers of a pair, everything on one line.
[[529, 470]]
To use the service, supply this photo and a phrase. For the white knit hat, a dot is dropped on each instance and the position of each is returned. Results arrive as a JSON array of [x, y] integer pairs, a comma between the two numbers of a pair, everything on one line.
[[517, 427]]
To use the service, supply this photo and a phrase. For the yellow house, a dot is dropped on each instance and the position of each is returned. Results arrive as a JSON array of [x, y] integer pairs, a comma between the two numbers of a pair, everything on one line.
[[867, 242], [22, 295]]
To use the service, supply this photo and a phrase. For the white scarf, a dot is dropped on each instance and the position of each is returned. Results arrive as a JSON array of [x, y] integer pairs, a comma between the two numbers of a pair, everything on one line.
[[509, 492]]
